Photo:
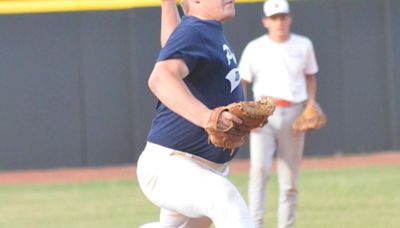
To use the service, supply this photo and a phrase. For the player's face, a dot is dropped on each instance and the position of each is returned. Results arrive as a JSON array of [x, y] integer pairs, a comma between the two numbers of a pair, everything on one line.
[[220, 10], [278, 24]]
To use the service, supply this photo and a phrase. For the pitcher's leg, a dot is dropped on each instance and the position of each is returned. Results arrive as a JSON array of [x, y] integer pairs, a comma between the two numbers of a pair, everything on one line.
[[207, 193], [150, 225], [171, 219], [229, 208], [195, 191], [262, 147]]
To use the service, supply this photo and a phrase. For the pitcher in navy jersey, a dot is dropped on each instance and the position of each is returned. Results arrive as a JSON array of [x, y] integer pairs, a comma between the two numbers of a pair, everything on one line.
[[196, 71]]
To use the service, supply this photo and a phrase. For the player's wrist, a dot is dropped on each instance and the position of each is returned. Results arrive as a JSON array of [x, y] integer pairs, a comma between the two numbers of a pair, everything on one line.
[[206, 118], [311, 102]]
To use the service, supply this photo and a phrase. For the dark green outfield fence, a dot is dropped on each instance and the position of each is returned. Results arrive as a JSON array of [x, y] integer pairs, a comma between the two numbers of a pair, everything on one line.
[[73, 85]]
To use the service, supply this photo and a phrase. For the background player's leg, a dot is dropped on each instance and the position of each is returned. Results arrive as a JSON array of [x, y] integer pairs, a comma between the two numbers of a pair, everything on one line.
[[290, 151], [262, 147]]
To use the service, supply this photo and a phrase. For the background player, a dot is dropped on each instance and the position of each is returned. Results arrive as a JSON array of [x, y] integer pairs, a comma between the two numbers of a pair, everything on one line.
[[280, 65]]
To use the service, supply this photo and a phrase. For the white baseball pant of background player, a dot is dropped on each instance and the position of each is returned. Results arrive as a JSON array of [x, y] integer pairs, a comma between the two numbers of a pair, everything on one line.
[[290, 149], [188, 192]]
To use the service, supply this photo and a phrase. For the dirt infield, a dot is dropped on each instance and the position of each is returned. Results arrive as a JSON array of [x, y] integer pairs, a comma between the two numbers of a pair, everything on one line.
[[72, 175]]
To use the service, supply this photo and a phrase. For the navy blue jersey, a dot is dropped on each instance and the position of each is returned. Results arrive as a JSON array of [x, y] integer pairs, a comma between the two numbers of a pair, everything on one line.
[[213, 79]]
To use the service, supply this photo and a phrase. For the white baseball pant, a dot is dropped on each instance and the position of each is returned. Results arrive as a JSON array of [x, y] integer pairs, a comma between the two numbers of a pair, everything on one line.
[[277, 136], [189, 193]]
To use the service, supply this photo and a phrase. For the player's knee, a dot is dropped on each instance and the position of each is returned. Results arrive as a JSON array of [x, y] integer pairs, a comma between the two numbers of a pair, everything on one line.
[[227, 201], [288, 194]]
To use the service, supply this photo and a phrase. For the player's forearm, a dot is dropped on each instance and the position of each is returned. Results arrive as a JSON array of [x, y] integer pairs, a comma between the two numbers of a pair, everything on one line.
[[173, 93], [311, 83], [169, 19]]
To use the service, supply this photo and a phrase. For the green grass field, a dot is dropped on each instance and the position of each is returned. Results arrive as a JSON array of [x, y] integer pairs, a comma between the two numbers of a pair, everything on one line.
[[358, 197]]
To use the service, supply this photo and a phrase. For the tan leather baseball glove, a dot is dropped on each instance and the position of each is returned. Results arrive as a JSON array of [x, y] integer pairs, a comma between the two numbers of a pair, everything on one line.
[[312, 118], [253, 114]]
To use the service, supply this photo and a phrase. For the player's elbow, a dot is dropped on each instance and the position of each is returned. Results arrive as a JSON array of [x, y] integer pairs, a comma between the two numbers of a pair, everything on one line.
[[154, 82]]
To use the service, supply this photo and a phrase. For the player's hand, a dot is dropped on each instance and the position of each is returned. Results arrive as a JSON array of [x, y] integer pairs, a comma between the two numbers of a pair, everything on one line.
[[226, 121]]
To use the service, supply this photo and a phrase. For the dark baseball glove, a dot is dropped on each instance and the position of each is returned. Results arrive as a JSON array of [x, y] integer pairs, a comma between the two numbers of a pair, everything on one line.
[[312, 118], [253, 114]]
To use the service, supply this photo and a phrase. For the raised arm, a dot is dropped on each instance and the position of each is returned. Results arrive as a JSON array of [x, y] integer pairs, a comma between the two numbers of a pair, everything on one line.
[[169, 19]]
